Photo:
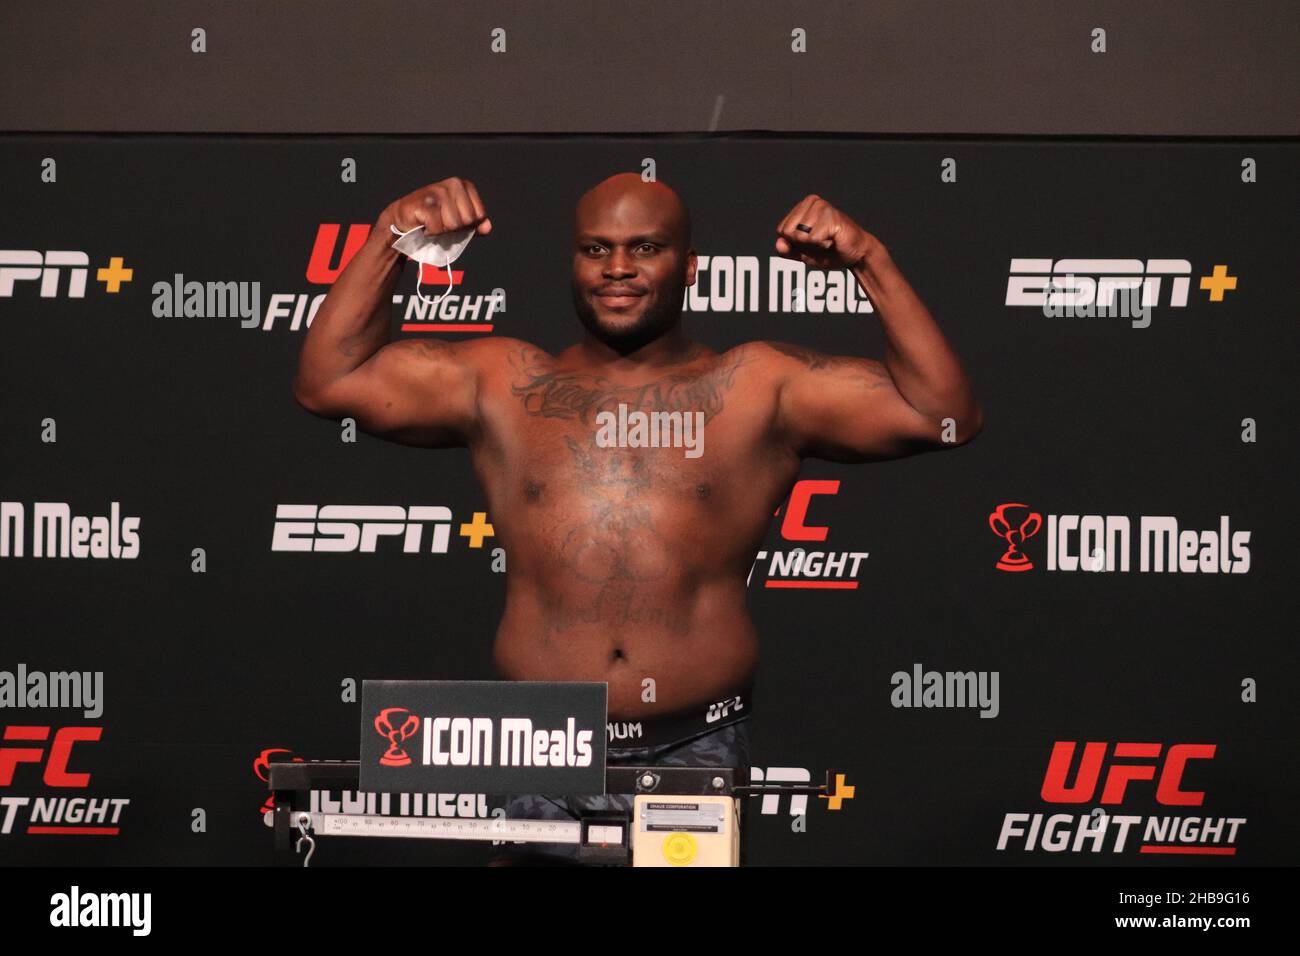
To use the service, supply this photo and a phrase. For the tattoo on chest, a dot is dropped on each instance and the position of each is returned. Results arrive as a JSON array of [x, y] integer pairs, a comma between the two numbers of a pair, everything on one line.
[[550, 393], [613, 549]]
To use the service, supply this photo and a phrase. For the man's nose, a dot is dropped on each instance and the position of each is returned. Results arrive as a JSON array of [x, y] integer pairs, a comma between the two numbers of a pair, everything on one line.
[[619, 263]]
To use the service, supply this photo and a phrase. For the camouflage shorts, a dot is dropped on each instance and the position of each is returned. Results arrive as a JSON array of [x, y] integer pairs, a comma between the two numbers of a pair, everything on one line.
[[725, 747]]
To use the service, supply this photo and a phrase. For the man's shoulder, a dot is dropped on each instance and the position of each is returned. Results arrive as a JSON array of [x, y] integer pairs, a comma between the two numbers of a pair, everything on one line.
[[510, 350], [489, 345], [750, 368], [494, 352], [776, 353], [766, 357], [495, 360], [786, 357], [756, 358]]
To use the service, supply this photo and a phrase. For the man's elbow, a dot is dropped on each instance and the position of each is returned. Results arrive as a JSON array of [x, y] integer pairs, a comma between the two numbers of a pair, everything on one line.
[[968, 426], [960, 430], [308, 398]]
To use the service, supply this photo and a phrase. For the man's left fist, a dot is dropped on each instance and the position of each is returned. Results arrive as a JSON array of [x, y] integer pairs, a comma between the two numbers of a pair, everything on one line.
[[821, 236]]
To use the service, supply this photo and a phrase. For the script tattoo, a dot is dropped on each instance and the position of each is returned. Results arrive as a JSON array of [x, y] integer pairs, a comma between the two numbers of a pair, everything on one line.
[[550, 393], [814, 360], [866, 372]]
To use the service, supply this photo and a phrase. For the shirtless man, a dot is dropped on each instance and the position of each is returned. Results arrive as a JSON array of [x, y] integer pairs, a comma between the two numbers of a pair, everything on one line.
[[629, 565]]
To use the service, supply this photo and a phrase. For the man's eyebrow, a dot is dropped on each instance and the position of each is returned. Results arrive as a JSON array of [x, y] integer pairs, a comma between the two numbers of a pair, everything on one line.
[[660, 237]]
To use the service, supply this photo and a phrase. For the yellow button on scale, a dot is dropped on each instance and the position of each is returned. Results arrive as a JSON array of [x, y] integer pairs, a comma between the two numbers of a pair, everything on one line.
[[680, 849]]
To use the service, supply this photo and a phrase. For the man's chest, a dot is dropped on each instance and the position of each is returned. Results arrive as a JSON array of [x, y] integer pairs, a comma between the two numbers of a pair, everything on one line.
[[686, 439], [623, 456]]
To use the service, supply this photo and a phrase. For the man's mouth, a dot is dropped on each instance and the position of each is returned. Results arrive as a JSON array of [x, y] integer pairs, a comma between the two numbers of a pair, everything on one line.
[[619, 298]]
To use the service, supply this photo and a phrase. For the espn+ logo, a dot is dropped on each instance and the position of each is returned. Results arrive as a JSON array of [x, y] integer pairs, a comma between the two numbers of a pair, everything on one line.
[[342, 528]]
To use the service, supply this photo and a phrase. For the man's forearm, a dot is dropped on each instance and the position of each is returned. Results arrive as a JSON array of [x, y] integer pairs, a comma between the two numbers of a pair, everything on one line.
[[925, 370], [355, 319]]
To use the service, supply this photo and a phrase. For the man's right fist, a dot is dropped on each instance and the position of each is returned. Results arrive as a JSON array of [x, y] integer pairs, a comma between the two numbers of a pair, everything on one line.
[[447, 206]]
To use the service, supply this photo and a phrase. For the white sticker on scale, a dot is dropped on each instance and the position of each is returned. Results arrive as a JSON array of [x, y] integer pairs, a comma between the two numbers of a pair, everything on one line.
[[682, 817]]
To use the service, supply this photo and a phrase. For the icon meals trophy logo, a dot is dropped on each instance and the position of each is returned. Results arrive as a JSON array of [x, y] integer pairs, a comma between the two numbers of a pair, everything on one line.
[[476, 736], [395, 756], [1013, 559]]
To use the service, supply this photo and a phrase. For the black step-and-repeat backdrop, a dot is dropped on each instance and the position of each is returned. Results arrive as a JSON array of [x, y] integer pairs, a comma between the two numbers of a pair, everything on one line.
[[1071, 641]]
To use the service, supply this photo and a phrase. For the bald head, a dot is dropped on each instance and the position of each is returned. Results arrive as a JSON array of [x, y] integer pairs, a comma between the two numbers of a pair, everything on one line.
[[625, 193]]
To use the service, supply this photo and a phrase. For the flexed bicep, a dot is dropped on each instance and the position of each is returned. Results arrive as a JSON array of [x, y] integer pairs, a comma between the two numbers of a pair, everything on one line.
[[413, 391], [848, 409]]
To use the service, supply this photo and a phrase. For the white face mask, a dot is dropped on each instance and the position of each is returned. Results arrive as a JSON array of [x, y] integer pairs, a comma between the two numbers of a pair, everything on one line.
[[439, 251]]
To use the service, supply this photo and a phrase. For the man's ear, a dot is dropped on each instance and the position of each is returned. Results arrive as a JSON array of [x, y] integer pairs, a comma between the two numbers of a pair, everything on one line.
[[690, 266]]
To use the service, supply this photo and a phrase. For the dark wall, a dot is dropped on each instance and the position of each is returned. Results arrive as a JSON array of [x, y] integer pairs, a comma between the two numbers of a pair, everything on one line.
[[1171, 67]]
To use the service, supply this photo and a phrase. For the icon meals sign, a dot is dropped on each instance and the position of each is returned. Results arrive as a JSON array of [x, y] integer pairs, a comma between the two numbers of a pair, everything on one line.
[[491, 737]]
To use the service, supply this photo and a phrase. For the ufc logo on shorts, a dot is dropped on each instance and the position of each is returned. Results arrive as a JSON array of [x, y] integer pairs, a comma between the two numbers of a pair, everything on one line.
[[56, 766], [723, 708], [1077, 282], [30, 265], [358, 527], [1118, 777]]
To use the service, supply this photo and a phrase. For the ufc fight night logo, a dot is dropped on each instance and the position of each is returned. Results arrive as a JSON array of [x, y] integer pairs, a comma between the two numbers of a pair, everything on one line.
[[42, 755], [801, 568], [452, 311], [1126, 772]]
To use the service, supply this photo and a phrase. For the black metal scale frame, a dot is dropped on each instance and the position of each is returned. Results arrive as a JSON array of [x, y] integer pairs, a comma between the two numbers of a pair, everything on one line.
[[291, 783]]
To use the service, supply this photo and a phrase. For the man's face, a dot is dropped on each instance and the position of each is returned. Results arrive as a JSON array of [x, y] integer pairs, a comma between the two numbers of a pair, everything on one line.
[[630, 267]]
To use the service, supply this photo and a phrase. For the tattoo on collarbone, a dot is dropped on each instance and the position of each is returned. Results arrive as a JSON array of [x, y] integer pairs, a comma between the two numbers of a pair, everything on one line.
[[866, 372], [550, 393]]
